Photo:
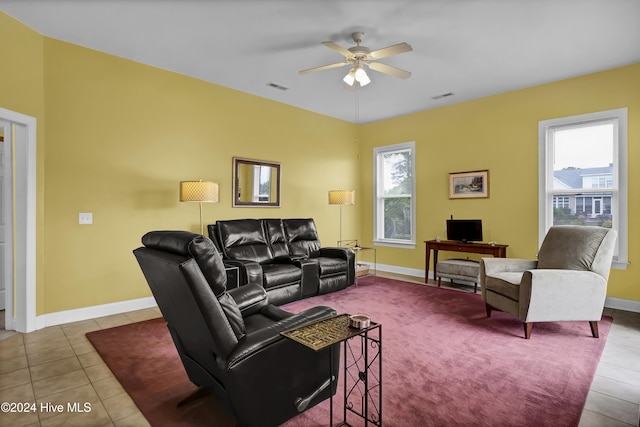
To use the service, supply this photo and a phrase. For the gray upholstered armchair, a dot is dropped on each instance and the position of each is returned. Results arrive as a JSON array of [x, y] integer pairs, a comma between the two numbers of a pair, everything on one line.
[[568, 282]]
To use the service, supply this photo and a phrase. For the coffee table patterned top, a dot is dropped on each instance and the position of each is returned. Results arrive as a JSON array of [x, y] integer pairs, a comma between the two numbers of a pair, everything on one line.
[[323, 333]]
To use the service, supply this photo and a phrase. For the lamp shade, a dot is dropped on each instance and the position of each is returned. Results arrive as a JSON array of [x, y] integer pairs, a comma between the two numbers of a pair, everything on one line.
[[199, 191], [342, 197]]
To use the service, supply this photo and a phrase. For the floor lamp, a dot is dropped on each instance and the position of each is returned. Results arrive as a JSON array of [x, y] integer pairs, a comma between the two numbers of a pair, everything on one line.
[[342, 197], [201, 192]]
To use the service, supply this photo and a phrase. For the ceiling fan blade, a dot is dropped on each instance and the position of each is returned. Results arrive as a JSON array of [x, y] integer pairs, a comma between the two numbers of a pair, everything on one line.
[[341, 50], [391, 50], [388, 69], [324, 67]]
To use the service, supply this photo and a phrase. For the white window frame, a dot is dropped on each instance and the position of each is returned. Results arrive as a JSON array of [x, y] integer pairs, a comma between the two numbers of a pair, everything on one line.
[[620, 176], [378, 197]]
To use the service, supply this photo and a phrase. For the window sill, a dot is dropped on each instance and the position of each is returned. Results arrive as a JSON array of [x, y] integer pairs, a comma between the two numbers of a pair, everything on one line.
[[619, 265], [395, 244]]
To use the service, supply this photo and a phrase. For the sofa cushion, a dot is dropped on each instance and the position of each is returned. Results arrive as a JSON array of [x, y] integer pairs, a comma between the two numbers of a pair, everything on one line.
[[276, 237], [302, 237], [244, 239], [280, 274]]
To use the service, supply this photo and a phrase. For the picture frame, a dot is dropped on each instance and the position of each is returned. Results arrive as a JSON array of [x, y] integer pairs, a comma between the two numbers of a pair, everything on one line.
[[469, 185]]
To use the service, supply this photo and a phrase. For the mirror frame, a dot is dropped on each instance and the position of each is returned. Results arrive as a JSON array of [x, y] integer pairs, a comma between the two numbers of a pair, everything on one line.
[[237, 161]]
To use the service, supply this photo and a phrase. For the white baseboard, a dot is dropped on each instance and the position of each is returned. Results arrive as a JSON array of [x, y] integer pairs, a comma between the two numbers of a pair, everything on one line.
[[610, 302], [400, 270], [86, 313], [622, 304]]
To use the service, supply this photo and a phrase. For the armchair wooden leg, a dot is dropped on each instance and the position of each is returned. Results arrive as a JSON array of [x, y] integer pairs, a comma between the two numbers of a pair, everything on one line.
[[439, 278], [527, 329], [475, 288], [488, 308], [594, 328]]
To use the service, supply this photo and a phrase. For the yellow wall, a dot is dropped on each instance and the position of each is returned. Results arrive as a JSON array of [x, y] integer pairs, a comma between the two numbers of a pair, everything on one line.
[[500, 133], [124, 134], [120, 136]]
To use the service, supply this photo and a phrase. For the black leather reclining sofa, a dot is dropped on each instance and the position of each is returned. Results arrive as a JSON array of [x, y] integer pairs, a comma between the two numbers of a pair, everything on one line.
[[284, 256]]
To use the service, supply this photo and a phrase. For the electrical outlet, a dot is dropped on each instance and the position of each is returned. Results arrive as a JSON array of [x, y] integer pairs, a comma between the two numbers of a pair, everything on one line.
[[85, 218]]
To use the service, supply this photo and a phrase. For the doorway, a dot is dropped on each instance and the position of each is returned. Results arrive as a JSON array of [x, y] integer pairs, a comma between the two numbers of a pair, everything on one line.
[[18, 220]]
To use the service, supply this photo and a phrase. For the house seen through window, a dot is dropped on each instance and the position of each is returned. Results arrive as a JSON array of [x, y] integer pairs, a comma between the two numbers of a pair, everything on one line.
[[583, 173]]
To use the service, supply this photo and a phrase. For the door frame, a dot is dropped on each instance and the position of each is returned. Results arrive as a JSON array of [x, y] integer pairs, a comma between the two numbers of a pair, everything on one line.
[[23, 230]]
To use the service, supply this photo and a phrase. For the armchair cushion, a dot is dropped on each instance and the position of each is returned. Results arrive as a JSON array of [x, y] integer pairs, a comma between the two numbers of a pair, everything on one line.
[[571, 247], [505, 283]]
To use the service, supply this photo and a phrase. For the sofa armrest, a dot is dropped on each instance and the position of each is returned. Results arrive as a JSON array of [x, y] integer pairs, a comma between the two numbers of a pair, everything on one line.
[[346, 254], [331, 252], [310, 282], [249, 298], [250, 271]]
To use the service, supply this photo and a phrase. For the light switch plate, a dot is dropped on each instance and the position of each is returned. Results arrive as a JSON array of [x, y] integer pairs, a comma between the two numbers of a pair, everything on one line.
[[85, 218]]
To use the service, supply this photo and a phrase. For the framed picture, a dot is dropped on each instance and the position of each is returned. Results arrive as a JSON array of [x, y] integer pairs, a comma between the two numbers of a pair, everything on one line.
[[469, 185]]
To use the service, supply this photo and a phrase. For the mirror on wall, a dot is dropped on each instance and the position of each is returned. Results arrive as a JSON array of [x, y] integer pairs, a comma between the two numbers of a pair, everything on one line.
[[256, 183]]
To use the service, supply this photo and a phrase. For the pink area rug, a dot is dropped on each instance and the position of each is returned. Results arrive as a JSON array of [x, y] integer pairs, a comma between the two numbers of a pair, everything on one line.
[[444, 363]]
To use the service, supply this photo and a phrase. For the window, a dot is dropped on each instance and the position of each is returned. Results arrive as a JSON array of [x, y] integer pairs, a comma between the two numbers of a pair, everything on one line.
[[394, 195], [561, 202], [583, 174], [261, 183]]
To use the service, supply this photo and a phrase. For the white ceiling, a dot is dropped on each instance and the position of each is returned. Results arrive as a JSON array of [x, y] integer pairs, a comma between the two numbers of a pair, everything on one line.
[[472, 48]]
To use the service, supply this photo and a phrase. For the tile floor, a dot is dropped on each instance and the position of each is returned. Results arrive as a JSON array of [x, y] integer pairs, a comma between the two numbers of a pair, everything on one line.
[[59, 365]]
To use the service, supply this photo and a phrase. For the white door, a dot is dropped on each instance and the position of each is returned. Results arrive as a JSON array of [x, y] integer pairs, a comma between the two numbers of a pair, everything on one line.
[[19, 215], [4, 167]]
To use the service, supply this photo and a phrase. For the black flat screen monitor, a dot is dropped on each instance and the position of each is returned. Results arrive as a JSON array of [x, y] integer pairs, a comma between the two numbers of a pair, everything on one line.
[[464, 230]]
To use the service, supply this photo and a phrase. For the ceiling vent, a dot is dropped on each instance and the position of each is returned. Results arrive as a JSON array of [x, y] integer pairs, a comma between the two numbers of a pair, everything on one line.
[[277, 86], [444, 95]]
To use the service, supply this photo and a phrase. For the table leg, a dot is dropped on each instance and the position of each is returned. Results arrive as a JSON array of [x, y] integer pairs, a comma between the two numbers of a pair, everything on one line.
[[435, 263], [330, 386], [426, 264]]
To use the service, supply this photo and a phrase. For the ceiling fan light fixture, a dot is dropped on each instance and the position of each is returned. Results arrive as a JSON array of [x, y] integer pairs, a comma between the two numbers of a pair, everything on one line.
[[361, 76], [350, 78]]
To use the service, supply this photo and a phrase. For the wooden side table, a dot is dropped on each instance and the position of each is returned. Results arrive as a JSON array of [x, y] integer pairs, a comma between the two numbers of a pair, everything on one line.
[[496, 250]]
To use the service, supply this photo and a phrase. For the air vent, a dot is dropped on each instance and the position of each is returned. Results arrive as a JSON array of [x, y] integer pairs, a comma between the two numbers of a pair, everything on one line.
[[444, 95], [277, 86]]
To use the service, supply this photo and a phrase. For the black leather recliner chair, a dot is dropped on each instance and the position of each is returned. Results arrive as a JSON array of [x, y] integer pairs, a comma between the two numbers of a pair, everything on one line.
[[229, 341]]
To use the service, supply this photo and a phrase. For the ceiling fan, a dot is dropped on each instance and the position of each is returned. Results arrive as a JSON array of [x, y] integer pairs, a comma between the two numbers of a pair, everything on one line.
[[359, 56]]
